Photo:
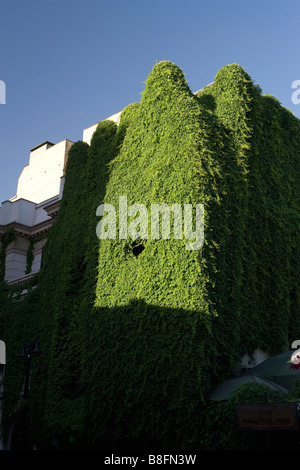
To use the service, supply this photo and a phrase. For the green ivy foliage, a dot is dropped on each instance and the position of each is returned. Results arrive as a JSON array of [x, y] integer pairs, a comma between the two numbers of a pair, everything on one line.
[[156, 310], [7, 238], [133, 344]]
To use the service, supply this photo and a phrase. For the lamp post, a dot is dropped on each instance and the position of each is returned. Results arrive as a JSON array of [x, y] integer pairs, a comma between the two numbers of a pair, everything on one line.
[[29, 350], [20, 438]]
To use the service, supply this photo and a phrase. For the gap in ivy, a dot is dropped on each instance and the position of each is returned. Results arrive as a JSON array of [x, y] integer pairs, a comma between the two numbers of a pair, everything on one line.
[[137, 247]]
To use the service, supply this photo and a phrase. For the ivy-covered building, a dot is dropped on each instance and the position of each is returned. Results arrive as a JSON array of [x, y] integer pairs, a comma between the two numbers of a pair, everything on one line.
[[134, 341]]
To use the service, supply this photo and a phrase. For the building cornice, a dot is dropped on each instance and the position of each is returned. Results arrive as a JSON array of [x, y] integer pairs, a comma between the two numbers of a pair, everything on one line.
[[27, 231], [21, 280]]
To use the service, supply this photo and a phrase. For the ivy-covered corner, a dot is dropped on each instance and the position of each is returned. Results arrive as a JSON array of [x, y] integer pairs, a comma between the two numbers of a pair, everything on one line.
[[135, 340]]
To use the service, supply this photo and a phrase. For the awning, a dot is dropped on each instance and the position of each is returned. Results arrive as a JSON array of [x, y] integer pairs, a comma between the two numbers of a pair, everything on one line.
[[225, 389], [278, 369]]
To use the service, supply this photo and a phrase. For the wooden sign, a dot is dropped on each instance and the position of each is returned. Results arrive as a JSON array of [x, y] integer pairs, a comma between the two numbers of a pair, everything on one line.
[[267, 416]]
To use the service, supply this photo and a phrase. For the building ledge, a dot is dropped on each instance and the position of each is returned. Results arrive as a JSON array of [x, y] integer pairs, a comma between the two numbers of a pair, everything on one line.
[[21, 280], [27, 231]]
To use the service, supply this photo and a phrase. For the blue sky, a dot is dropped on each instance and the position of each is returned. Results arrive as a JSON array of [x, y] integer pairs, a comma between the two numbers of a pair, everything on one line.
[[68, 64]]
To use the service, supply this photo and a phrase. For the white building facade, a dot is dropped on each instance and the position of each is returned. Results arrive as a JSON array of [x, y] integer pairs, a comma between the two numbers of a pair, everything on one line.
[[31, 212]]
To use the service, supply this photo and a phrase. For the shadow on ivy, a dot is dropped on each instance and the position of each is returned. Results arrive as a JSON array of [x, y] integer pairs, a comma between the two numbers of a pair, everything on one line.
[[146, 376]]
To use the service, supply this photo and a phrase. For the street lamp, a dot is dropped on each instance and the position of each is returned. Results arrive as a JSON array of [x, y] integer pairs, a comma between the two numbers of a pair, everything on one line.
[[20, 438], [29, 350]]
